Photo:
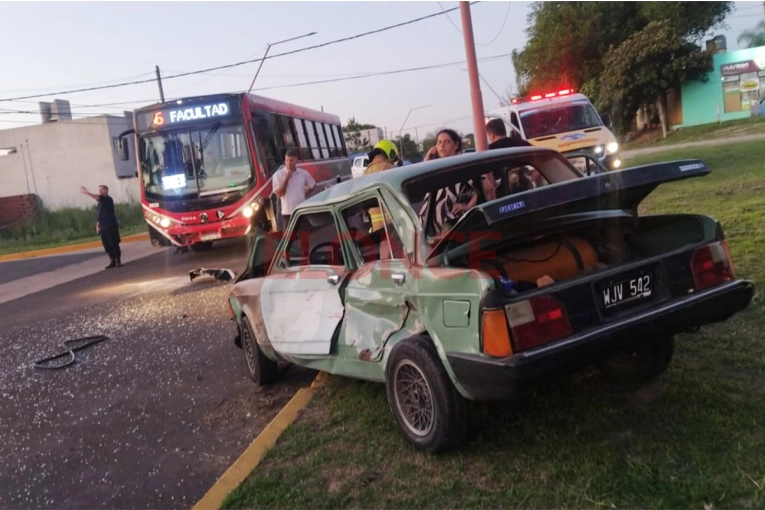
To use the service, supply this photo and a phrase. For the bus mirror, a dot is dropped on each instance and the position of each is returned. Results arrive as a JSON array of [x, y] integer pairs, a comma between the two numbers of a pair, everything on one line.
[[606, 118], [122, 149]]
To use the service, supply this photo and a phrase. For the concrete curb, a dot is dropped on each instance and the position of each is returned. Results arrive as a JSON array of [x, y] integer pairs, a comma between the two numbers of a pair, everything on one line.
[[66, 249], [249, 460]]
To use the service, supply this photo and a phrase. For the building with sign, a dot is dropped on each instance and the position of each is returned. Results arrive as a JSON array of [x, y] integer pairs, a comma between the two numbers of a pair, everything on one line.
[[53, 159], [735, 89]]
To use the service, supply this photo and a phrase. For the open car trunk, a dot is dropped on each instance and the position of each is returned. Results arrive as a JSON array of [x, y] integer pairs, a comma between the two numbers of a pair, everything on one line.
[[563, 231]]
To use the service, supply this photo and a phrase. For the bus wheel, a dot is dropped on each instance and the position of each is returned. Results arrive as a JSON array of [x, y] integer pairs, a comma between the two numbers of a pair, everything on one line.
[[201, 246]]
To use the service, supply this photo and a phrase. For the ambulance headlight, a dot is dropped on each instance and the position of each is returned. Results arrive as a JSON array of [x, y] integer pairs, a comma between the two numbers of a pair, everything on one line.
[[612, 147]]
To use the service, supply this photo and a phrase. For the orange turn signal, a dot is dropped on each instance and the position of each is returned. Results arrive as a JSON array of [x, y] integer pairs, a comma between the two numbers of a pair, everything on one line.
[[496, 337]]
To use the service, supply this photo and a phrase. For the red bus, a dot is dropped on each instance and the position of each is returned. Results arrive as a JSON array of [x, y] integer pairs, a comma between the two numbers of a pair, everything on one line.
[[205, 163]]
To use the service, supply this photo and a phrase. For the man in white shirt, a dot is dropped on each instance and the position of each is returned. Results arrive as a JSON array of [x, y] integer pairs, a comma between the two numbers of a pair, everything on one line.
[[291, 184]]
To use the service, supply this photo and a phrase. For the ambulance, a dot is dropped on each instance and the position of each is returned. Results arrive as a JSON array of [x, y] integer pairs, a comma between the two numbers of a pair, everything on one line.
[[565, 121]]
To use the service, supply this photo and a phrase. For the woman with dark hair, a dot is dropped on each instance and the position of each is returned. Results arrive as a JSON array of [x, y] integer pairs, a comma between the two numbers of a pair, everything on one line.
[[453, 200], [448, 143]]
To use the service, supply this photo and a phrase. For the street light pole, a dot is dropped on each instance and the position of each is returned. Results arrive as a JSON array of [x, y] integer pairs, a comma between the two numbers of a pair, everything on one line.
[[266, 54], [481, 143]]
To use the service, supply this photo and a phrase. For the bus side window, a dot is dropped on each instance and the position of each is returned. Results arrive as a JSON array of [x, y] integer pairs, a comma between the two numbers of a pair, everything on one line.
[[323, 141], [333, 147], [314, 144], [305, 149], [341, 141]]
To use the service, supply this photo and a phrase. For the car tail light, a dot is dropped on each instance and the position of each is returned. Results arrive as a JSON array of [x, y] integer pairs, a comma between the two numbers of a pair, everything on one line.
[[496, 338], [537, 321], [711, 265]]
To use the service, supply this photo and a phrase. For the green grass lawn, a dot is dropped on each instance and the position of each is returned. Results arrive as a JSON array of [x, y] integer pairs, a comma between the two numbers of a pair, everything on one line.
[[731, 128], [67, 226], [693, 439]]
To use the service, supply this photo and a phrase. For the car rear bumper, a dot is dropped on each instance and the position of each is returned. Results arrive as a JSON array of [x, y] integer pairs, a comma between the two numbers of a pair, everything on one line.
[[486, 378]]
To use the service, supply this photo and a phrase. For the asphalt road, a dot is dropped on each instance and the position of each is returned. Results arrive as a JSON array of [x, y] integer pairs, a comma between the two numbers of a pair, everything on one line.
[[149, 418], [10, 271]]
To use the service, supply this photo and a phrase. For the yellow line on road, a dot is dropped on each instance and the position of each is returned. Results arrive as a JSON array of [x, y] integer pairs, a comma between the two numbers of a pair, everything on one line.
[[254, 453], [66, 249]]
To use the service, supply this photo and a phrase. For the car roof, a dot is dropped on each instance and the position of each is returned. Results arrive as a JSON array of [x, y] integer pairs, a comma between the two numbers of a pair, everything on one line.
[[395, 177]]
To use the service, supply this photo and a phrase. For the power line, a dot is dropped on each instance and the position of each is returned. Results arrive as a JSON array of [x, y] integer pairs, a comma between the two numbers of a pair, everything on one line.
[[237, 64], [288, 85], [509, 4]]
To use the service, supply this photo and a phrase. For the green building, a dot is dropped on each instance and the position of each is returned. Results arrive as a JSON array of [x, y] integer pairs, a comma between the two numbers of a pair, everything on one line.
[[735, 90]]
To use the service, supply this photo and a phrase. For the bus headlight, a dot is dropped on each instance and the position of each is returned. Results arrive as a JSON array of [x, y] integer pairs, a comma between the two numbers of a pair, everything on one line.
[[612, 147], [164, 222], [248, 212]]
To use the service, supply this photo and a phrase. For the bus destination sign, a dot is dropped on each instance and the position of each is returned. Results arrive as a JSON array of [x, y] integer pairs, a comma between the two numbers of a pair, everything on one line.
[[181, 115]]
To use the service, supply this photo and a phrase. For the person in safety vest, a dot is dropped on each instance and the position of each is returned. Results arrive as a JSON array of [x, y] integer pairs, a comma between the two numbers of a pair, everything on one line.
[[383, 157]]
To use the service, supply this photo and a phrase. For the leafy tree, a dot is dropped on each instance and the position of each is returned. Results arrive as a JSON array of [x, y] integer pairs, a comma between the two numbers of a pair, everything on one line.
[[407, 146], [353, 137], [642, 68], [428, 142], [569, 43], [753, 37]]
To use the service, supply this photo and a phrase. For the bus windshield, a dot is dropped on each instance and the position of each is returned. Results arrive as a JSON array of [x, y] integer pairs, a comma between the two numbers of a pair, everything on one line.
[[194, 163], [559, 119]]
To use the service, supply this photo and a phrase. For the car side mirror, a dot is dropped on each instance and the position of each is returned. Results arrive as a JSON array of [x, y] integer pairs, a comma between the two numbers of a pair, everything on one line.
[[122, 149], [606, 118]]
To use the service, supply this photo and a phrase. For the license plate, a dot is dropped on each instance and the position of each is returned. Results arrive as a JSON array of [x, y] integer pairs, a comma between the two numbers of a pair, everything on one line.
[[630, 288], [210, 237]]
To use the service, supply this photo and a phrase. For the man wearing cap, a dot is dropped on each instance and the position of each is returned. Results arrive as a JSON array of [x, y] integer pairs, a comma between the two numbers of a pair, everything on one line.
[[383, 157]]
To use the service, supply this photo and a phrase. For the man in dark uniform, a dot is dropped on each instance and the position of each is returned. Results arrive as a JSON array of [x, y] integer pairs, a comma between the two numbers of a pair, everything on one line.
[[498, 139], [107, 226]]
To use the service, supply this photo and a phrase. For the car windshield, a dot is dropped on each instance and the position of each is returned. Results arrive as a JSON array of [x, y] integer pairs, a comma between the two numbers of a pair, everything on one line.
[[571, 116], [195, 163]]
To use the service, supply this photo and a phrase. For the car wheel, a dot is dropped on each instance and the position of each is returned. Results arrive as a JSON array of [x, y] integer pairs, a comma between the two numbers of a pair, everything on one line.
[[205, 246], [260, 369], [422, 398], [639, 365]]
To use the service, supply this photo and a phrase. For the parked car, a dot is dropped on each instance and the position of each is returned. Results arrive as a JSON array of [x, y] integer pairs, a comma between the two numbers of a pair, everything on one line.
[[527, 285], [359, 165]]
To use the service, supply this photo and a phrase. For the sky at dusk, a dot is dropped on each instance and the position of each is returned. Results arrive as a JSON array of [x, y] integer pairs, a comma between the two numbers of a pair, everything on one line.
[[56, 46]]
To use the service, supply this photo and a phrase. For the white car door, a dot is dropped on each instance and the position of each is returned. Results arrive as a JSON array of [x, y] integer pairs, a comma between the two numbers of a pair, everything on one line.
[[300, 298]]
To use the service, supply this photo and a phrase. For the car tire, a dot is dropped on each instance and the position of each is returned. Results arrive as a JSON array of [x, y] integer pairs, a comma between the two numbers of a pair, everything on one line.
[[205, 246], [443, 423], [640, 365], [261, 370]]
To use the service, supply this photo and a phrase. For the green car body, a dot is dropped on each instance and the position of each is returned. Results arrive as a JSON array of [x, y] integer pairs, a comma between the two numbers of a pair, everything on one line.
[[345, 311]]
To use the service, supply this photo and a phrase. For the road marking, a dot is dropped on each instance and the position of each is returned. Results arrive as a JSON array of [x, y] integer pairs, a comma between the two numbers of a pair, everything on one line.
[[249, 460]]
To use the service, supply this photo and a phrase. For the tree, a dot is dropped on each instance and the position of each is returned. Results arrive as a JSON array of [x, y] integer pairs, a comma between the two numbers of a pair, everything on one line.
[[428, 142], [753, 37], [642, 68], [407, 146], [569, 42], [353, 137]]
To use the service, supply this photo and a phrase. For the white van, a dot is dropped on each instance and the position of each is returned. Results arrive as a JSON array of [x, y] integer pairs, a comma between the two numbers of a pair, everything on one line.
[[360, 164], [564, 121]]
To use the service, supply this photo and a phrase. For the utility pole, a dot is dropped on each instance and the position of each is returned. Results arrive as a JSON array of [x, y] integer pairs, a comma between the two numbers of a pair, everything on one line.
[[159, 82], [481, 143]]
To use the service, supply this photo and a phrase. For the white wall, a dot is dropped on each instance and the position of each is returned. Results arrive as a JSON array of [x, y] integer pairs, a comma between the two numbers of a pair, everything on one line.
[[53, 160]]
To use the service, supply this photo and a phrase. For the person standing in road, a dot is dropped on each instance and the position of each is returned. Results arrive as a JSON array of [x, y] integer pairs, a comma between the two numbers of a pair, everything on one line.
[[106, 225], [291, 184]]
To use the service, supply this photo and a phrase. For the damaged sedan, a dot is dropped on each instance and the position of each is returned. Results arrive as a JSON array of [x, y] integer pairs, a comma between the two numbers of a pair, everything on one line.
[[384, 278]]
